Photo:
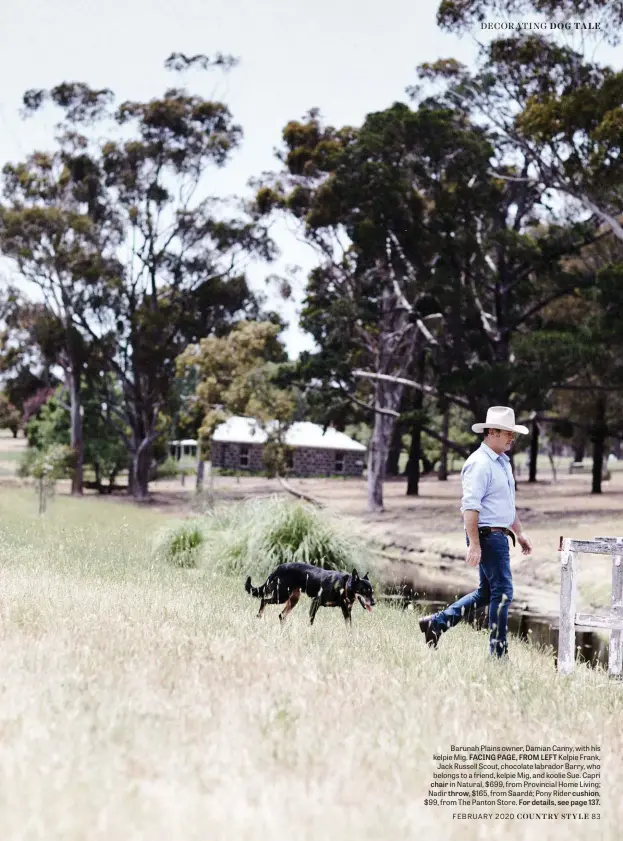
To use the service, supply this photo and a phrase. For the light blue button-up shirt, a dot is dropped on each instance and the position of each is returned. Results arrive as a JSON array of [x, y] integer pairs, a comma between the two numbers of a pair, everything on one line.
[[489, 487]]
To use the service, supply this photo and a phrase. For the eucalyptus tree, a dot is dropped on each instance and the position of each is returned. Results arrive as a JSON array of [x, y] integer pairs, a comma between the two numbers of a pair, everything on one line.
[[182, 252]]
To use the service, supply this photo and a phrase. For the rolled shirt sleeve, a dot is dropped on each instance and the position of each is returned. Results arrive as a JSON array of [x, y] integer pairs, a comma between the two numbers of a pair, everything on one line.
[[475, 480]]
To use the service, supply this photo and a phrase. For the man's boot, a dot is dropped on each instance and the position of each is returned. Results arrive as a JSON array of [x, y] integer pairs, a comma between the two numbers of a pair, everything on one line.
[[431, 634]]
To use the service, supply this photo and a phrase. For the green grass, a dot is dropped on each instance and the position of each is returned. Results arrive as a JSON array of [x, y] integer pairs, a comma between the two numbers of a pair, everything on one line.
[[143, 701]]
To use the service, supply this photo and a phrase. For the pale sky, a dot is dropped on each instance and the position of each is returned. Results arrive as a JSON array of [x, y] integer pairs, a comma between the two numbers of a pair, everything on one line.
[[346, 57]]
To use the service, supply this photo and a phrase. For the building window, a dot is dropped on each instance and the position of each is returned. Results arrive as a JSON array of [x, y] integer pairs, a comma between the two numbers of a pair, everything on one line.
[[339, 462], [244, 456]]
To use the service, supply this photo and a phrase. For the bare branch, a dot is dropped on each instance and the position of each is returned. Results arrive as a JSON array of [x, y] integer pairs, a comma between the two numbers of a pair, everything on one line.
[[419, 323], [404, 304], [299, 494], [462, 451], [579, 284], [365, 339], [367, 406], [487, 256], [425, 388], [484, 316], [614, 224], [516, 178], [567, 387]]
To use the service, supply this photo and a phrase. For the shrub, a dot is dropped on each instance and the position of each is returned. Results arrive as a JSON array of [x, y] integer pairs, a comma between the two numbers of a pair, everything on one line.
[[255, 536], [26, 462], [47, 467], [53, 463]]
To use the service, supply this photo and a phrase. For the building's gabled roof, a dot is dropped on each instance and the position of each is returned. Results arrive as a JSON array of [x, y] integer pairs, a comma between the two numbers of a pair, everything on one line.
[[239, 430]]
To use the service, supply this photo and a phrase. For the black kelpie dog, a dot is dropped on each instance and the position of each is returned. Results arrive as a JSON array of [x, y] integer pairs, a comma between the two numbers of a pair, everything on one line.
[[326, 588]]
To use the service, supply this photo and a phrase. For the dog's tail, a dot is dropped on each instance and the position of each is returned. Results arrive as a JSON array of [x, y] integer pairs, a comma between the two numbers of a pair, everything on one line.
[[256, 592]]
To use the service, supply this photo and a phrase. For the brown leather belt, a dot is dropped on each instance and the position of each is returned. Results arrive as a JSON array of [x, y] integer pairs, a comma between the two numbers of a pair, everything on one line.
[[485, 530]]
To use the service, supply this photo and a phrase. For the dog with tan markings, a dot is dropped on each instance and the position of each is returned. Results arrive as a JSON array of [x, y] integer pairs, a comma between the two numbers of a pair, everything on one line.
[[326, 588]]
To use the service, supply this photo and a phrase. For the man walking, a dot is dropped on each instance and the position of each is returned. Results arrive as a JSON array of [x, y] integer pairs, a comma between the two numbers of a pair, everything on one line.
[[488, 507]]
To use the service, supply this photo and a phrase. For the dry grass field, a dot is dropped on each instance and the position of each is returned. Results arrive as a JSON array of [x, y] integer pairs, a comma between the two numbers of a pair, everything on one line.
[[141, 701]]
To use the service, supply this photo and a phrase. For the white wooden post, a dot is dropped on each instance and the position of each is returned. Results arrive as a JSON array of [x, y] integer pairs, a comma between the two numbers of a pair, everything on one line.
[[615, 651], [568, 589], [569, 619]]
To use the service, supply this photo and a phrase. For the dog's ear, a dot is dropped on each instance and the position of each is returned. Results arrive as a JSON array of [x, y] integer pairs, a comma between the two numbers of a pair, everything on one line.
[[366, 577], [355, 575]]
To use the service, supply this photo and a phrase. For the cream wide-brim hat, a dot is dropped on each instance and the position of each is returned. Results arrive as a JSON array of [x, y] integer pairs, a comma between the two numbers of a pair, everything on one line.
[[500, 417]]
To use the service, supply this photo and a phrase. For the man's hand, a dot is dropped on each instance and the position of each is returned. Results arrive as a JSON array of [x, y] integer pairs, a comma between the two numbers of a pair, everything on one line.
[[524, 542], [473, 555]]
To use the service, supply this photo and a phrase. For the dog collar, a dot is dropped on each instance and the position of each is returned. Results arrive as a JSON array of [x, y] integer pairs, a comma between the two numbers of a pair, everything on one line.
[[348, 598]]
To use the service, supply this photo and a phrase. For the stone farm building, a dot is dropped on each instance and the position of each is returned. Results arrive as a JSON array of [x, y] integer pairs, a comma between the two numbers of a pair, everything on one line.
[[237, 445]]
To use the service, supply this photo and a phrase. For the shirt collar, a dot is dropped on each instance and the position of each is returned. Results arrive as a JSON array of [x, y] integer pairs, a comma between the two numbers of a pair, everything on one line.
[[493, 455]]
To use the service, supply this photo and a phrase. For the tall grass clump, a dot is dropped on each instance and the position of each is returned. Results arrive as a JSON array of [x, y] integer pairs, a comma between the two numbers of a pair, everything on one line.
[[255, 536], [180, 544]]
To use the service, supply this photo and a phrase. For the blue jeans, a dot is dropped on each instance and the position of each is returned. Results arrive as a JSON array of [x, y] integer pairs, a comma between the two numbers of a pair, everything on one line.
[[495, 589]]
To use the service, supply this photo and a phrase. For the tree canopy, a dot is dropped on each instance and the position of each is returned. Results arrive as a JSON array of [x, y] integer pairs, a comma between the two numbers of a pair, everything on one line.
[[468, 253]]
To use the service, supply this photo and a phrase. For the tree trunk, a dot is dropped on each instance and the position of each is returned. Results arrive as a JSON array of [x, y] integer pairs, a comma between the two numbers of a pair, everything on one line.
[[111, 480], [386, 396], [200, 471], [427, 465], [142, 437], [413, 465], [511, 457], [98, 477], [210, 472], [41, 496], [377, 459], [534, 451], [415, 450], [445, 429], [599, 440], [579, 445], [392, 360], [140, 471], [393, 468], [77, 442], [550, 455]]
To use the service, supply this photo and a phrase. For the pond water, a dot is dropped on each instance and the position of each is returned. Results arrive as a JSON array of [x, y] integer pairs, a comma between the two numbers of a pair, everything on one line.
[[590, 647]]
